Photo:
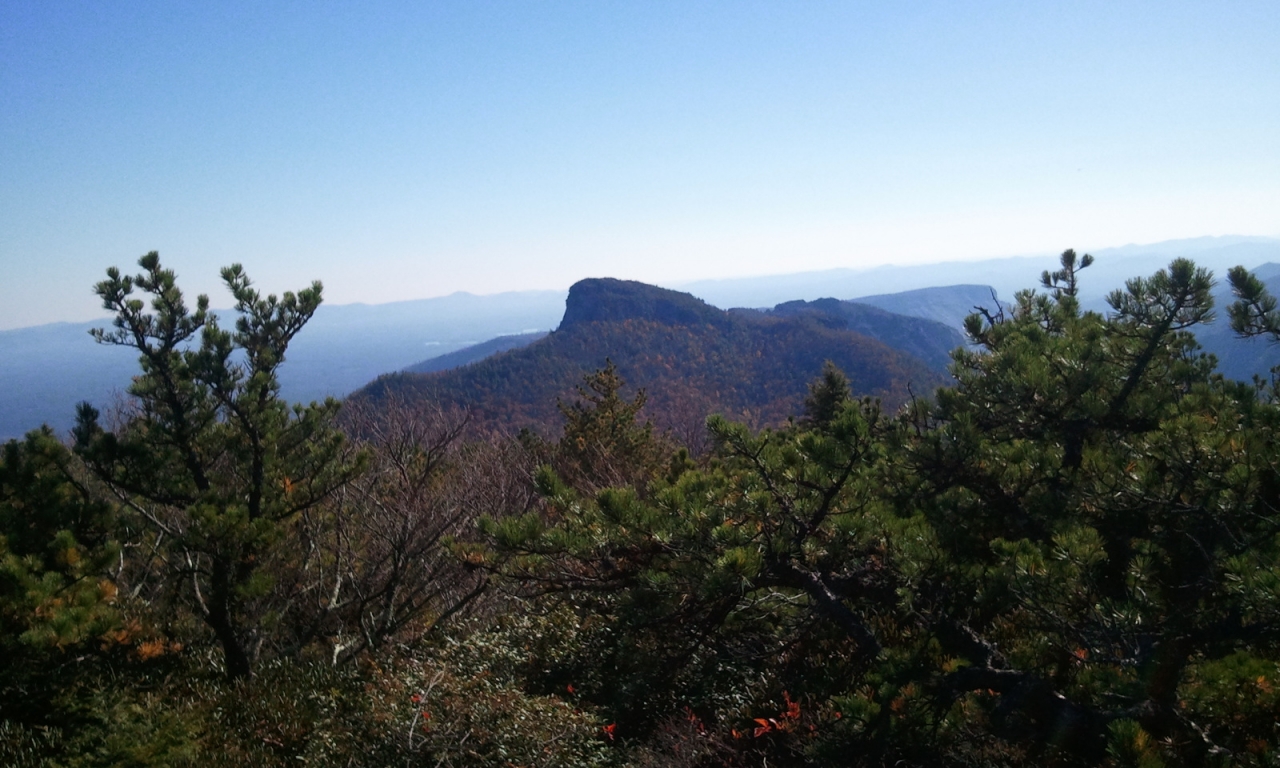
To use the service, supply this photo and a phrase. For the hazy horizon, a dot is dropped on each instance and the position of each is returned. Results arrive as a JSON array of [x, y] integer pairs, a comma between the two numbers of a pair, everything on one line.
[[951, 273], [398, 151]]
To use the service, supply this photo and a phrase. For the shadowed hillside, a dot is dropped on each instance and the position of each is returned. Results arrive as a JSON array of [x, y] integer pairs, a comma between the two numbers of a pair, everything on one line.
[[928, 340]]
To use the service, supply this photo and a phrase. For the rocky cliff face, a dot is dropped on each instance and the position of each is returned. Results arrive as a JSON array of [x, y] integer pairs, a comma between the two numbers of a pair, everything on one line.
[[605, 299]]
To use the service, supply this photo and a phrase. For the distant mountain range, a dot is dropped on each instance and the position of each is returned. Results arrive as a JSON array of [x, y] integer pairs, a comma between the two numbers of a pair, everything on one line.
[[948, 305], [45, 370], [691, 357], [1007, 276]]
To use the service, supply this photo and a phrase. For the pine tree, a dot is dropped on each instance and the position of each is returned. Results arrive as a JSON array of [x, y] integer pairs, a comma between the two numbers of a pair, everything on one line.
[[209, 454], [604, 443], [1104, 506], [56, 597]]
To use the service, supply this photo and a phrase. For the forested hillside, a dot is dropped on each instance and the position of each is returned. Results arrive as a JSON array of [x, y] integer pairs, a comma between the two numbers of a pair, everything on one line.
[[928, 340], [1068, 557], [691, 358], [474, 353]]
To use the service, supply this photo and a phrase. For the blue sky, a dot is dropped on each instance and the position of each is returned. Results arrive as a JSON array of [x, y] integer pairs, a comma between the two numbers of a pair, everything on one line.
[[406, 150]]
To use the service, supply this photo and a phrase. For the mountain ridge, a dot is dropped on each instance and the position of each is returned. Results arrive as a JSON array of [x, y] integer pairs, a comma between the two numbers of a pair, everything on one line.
[[692, 359]]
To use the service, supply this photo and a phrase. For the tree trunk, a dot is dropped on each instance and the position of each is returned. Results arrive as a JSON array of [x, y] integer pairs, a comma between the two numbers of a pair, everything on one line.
[[235, 657]]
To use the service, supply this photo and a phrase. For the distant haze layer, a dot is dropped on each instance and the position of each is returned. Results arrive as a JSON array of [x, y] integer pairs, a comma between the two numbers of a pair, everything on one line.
[[47, 369]]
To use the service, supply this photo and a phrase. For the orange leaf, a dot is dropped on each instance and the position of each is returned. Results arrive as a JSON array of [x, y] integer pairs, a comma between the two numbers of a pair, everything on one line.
[[793, 708]]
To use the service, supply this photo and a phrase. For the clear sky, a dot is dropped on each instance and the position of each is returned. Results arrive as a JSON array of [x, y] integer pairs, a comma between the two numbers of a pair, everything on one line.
[[406, 150]]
